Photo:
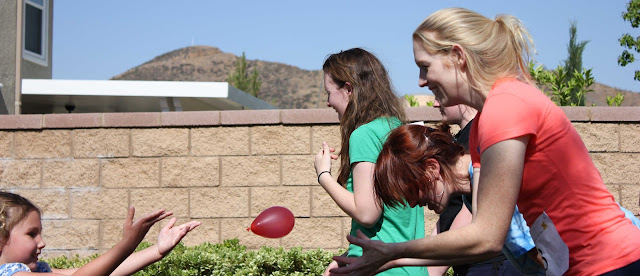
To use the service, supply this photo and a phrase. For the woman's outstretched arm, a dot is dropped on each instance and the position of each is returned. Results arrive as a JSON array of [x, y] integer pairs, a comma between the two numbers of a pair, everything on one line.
[[502, 167]]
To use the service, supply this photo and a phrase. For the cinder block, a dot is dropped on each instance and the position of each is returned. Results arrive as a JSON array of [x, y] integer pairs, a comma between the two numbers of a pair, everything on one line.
[[315, 233], [99, 203], [618, 168], [217, 141], [20, 173], [175, 200], [296, 199], [160, 142], [599, 137], [43, 144], [208, 231], [346, 230], [53, 203], [101, 143], [71, 173], [128, 173], [298, 170], [250, 171], [322, 205], [280, 140], [71, 234], [6, 144], [629, 138], [190, 172], [236, 228], [219, 202], [329, 134], [630, 197], [430, 220], [111, 231]]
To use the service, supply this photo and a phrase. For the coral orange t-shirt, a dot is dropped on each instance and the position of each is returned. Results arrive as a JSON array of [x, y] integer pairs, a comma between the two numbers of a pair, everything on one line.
[[559, 177]]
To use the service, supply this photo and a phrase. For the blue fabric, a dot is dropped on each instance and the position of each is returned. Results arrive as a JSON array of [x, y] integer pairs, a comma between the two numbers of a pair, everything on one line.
[[630, 216], [9, 269], [518, 239]]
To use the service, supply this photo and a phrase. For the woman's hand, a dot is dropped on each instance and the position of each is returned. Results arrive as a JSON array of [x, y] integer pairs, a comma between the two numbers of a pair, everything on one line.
[[323, 158], [134, 231], [375, 254], [170, 236]]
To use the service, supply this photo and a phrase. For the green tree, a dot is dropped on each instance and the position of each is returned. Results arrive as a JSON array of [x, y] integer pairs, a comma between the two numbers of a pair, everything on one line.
[[241, 79], [413, 102], [616, 100], [629, 42], [574, 50], [561, 86], [573, 63], [569, 83]]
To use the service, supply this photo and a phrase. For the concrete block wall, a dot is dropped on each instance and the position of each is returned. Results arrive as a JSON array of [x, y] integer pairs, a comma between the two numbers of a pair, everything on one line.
[[223, 168]]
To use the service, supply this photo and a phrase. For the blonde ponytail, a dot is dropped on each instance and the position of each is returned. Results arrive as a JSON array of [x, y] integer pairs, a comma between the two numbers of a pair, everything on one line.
[[493, 49]]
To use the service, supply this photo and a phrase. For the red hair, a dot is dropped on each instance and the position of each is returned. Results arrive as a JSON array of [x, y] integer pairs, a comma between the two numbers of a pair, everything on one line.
[[401, 169]]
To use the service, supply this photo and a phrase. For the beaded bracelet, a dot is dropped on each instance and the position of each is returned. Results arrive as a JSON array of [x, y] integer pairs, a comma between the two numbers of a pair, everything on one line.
[[321, 175]]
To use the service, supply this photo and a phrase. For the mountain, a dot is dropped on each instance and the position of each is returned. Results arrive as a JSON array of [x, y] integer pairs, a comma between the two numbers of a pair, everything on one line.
[[283, 85], [601, 92]]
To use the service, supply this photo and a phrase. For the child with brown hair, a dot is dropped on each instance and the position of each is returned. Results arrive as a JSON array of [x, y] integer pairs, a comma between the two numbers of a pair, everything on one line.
[[21, 242]]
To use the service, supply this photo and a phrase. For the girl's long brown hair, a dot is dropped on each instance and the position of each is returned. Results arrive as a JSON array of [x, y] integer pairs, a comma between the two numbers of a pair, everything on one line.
[[401, 169], [372, 96]]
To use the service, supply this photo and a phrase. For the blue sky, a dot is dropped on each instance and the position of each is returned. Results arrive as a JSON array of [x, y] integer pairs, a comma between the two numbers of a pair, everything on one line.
[[97, 40]]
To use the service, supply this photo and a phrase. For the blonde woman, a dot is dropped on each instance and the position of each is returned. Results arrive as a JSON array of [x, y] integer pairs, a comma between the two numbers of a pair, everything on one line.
[[529, 153]]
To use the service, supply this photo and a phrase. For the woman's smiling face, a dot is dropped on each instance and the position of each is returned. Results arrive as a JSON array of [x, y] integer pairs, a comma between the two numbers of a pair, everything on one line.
[[438, 73], [337, 97]]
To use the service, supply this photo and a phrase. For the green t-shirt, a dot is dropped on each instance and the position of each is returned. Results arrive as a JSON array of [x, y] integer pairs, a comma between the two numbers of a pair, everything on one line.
[[398, 224]]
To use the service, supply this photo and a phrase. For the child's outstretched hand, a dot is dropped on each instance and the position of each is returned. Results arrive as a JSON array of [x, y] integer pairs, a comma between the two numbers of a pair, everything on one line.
[[134, 231], [170, 236]]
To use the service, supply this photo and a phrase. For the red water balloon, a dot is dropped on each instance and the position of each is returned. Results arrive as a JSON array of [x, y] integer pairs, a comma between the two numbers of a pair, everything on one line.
[[274, 222]]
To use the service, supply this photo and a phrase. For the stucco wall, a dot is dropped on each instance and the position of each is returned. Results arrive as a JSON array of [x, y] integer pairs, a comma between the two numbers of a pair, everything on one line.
[[7, 55], [222, 168]]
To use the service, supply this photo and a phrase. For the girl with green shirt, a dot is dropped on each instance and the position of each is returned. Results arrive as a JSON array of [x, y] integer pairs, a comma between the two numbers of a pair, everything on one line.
[[359, 89]]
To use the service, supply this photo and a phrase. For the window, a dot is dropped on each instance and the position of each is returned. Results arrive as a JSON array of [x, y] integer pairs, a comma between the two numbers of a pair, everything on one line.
[[35, 26]]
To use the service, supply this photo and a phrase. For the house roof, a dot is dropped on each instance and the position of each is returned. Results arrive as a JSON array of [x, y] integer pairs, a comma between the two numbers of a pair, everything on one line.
[[99, 96]]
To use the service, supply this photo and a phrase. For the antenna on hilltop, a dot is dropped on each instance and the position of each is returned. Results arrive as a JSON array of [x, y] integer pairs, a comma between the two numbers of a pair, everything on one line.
[[192, 40]]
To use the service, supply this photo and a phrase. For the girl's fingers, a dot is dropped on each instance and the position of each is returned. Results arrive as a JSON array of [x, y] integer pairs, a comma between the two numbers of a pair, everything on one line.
[[162, 216], [325, 148], [192, 225], [155, 216], [343, 260], [131, 212], [170, 224]]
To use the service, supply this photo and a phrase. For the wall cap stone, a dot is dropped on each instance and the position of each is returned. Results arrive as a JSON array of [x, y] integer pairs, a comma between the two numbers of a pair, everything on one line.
[[262, 117]]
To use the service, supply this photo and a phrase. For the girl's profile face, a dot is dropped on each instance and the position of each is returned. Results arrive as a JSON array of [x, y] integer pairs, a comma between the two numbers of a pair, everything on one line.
[[337, 97], [438, 74], [434, 200], [25, 242]]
